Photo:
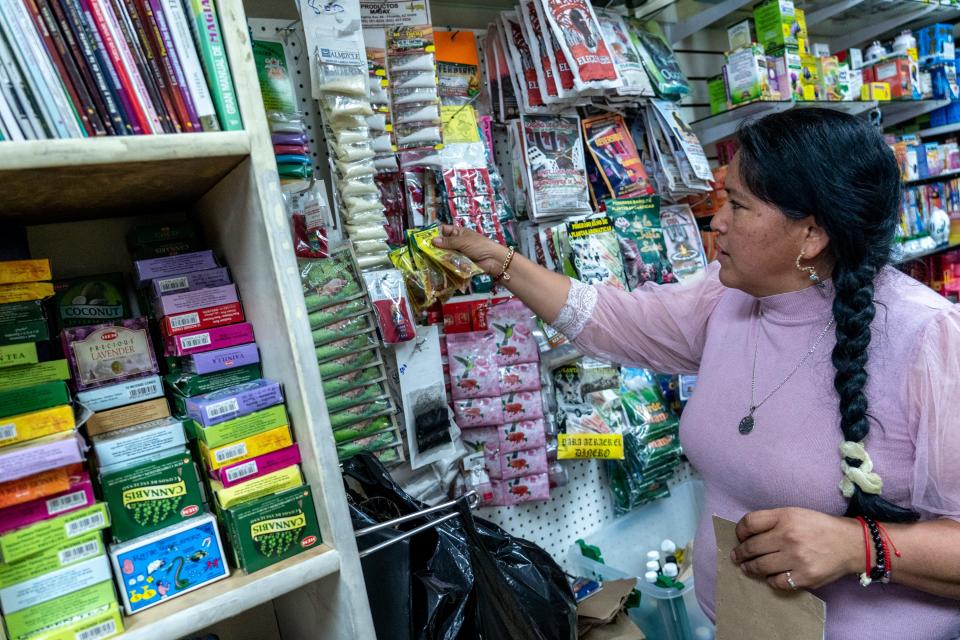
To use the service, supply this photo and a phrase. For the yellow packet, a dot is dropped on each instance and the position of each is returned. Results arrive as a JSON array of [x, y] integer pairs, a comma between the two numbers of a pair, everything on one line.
[[258, 487], [247, 448], [455, 263]]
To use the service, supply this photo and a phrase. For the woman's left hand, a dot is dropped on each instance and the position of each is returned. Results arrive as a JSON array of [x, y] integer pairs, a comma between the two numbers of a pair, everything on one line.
[[815, 548]]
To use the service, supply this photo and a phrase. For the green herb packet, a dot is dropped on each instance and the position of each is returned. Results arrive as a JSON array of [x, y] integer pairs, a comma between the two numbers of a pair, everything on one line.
[[152, 496], [273, 528], [192, 384]]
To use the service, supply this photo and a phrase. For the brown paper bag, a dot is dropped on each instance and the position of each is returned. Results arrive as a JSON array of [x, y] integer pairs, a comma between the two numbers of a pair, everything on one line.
[[749, 609]]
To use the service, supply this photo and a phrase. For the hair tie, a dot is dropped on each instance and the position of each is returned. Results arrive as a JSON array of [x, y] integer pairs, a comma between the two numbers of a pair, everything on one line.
[[862, 475]]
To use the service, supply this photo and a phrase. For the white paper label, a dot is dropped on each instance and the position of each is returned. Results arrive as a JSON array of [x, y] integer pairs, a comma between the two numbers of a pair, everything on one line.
[[79, 552], [229, 453], [102, 630], [8, 432], [83, 525], [67, 502], [173, 284], [147, 389], [241, 471], [223, 408], [186, 320], [192, 342]]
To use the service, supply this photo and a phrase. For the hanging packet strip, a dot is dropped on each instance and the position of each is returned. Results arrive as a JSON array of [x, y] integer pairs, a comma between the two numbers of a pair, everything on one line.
[[596, 252], [555, 165], [533, 30], [309, 218], [559, 65], [615, 153], [636, 222], [523, 63], [625, 55], [671, 118], [576, 28], [506, 96], [338, 59]]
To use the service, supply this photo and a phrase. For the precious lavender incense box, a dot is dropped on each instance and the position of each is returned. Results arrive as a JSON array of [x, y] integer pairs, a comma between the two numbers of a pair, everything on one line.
[[193, 300], [219, 406], [146, 270], [109, 353]]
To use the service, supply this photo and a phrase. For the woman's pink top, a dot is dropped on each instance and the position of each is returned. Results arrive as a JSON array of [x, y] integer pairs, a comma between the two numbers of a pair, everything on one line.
[[792, 458]]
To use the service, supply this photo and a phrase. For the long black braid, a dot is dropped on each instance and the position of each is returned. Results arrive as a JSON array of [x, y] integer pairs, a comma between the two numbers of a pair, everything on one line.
[[838, 169]]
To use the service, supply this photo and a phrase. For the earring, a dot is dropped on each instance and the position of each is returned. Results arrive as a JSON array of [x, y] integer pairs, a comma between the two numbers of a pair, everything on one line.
[[810, 271]]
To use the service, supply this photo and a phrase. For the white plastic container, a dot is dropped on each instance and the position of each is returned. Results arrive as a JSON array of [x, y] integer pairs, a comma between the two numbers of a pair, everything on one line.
[[665, 614]]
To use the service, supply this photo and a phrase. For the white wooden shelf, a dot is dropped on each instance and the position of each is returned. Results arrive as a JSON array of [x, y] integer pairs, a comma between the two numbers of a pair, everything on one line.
[[219, 601], [48, 181], [897, 111]]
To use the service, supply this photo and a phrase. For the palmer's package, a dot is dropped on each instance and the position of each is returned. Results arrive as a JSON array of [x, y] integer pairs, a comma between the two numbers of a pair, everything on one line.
[[168, 563], [34, 539], [273, 528], [109, 353], [152, 495]]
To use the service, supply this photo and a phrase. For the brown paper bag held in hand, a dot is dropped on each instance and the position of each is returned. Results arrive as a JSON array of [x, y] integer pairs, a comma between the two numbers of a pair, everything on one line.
[[749, 609]]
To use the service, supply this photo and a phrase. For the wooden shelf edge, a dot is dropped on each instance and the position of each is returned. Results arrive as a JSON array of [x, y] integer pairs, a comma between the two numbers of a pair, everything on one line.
[[43, 154], [227, 598]]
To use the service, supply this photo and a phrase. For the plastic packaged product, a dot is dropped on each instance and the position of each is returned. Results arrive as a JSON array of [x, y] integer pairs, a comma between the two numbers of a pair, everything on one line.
[[473, 368], [523, 62], [341, 329], [523, 463], [419, 114], [382, 144], [348, 363], [338, 311], [358, 395], [329, 281], [389, 296], [418, 137], [518, 436], [512, 324], [658, 59], [533, 29], [596, 252], [338, 348], [364, 186], [353, 151], [415, 96], [336, 107], [372, 443], [483, 439], [335, 385], [578, 33], [519, 377], [413, 62], [377, 121], [309, 218], [359, 204], [556, 171], [386, 163], [636, 221], [626, 57], [456, 264], [168, 563], [371, 246], [522, 406], [684, 243], [478, 412], [356, 413], [358, 169], [613, 149]]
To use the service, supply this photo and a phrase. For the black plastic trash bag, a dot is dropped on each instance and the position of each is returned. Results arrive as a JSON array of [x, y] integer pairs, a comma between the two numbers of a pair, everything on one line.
[[471, 578]]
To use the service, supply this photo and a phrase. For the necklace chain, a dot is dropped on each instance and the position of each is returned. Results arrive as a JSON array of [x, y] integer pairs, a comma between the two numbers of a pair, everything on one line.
[[747, 424]]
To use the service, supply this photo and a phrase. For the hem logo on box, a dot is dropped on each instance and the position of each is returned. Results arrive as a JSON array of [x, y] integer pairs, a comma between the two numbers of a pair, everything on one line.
[[308, 541], [189, 510], [108, 335]]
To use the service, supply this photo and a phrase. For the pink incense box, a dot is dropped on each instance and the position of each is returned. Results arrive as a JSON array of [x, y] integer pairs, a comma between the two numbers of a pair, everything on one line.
[[210, 340], [517, 436], [76, 497], [261, 465]]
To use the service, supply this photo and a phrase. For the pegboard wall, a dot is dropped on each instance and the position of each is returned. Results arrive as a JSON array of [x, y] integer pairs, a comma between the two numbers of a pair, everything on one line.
[[573, 511]]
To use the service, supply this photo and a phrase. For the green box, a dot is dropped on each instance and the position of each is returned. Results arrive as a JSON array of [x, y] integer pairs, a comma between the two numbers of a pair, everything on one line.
[[273, 528], [776, 24], [717, 88], [68, 552], [96, 624], [23, 322], [33, 398], [242, 427], [43, 535], [60, 611], [16, 355], [12, 313], [31, 374], [192, 384], [152, 496]]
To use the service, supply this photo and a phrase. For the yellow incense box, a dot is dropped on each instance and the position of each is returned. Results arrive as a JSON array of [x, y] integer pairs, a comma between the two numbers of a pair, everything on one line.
[[260, 486], [25, 291], [36, 424], [15, 271], [247, 448]]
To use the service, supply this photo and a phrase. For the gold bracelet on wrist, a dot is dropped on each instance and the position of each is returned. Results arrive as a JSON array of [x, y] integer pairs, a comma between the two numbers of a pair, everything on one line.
[[506, 265]]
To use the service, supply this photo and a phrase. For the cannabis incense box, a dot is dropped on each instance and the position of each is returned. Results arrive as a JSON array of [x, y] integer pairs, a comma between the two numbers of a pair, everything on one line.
[[152, 495]]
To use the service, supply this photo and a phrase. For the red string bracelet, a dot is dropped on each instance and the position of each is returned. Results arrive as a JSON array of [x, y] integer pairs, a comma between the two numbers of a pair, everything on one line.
[[865, 576], [885, 533]]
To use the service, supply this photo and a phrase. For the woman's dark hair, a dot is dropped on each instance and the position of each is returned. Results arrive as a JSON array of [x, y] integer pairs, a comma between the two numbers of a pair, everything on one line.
[[838, 169]]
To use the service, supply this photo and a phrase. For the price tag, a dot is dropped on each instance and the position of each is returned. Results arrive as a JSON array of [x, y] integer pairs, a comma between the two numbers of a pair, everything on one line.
[[585, 446]]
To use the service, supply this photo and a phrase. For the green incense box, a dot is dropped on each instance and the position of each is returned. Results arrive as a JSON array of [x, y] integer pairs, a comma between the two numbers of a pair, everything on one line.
[[23, 322], [242, 427], [152, 496], [41, 536], [191, 384], [32, 374], [34, 398], [15, 355]]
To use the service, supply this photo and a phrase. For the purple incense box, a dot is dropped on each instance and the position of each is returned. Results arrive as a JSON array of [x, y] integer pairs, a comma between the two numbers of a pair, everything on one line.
[[219, 406], [193, 300], [221, 359], [192, 281], [147, 270]]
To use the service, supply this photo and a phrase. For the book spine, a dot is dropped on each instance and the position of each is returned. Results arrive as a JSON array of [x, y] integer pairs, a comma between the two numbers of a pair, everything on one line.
[[101, 32], [131, 122], [11, 125], [29, 69], [137, 66], [78, 39], [170, 59], [63, 105], [60, 56], [155, 72], [126, 69], [11, 96], [186, 52], [217, 67]]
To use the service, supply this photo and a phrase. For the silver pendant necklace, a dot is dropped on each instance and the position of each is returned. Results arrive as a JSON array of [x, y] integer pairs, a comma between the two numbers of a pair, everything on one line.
[[747, 424]]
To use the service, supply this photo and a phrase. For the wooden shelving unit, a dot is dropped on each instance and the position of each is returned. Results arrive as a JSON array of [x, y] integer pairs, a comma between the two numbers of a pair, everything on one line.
[[80, 197]]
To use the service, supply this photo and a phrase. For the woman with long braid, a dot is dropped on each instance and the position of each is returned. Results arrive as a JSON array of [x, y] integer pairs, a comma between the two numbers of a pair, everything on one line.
[[822, 421]]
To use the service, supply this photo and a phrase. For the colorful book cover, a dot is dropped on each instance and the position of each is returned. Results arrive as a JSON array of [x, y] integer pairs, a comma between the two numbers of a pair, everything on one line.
[[190, 63], [615, 153], [152, 14], [206, 25], [155, 74]]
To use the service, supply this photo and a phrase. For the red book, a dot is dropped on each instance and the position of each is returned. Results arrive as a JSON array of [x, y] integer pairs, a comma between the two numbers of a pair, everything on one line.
[[96, 11]]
